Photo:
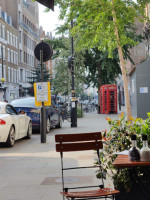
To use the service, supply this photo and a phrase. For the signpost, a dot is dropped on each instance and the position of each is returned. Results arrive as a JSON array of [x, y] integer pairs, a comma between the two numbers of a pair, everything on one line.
[[43, 52]]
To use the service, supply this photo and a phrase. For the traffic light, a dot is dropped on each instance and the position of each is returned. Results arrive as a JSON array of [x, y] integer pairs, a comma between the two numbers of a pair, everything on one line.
[[48, 3]]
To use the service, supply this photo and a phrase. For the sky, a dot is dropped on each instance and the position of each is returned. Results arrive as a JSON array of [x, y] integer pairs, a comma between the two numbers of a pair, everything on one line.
[[49, 21]]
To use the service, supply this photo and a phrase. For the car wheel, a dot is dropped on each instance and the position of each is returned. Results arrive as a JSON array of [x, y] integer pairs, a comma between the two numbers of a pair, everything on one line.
[[60, 122], [11, 137], [29, 132], [48, 125]]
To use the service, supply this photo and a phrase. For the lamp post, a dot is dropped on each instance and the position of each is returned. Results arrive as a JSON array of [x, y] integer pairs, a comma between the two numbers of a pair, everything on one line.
[[73, 95]]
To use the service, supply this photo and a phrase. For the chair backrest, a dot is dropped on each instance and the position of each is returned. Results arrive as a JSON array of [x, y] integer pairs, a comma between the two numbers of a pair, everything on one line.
[[78, 142]]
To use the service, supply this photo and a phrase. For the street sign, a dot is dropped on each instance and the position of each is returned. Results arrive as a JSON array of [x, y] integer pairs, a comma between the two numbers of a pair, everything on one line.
[[42, 93], [47, 51]]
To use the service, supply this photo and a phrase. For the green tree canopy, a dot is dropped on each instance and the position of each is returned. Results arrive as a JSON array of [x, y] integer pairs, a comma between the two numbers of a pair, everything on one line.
[[36, 77], [102, 24], [62, 81]]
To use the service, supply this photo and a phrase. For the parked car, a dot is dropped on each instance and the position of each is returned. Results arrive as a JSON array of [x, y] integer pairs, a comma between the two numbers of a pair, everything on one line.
[[13, 125], [53, 114]]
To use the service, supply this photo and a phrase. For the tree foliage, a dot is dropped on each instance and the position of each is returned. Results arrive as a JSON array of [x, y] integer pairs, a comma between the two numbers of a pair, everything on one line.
[[36, 77], [62, 49], [102, 24], [94, 21]]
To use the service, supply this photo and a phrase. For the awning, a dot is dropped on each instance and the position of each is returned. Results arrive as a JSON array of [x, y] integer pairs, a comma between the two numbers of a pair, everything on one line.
[[48, 3]]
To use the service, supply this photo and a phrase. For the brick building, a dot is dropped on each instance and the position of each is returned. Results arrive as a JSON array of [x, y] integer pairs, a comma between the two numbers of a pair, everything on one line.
[[25, 19], [9, 89]]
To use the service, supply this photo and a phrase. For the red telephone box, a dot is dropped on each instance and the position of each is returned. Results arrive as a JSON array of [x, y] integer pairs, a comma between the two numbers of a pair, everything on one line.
[[108, 99]]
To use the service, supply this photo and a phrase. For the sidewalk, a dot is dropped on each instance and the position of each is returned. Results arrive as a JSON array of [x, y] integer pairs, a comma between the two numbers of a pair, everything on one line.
[[32, 171]]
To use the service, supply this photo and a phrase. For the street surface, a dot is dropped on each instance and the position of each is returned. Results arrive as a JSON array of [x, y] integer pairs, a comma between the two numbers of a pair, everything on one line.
[[31, 170]]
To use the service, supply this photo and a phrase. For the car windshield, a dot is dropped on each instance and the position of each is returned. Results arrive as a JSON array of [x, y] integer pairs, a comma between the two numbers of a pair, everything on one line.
[[26, 102]]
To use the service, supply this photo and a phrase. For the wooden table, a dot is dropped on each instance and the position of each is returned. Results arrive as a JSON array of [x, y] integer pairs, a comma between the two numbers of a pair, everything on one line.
[[122, 161], [140, 190]]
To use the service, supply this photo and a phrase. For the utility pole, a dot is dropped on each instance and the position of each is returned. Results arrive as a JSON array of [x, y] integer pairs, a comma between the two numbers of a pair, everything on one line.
[[73, 95], [43, 113]]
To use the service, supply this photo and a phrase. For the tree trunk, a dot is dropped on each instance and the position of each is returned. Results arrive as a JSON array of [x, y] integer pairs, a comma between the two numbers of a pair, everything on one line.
[[99, 84], [123, 69]]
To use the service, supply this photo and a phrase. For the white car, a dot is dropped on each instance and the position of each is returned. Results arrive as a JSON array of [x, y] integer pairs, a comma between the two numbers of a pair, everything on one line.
[[13, 126]]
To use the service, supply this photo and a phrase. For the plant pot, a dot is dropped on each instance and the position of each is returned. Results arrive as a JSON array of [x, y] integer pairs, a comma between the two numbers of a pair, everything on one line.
[[140, 191]]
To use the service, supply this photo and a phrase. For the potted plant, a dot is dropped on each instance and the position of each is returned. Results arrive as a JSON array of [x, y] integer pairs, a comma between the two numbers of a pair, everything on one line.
[[118, 139]]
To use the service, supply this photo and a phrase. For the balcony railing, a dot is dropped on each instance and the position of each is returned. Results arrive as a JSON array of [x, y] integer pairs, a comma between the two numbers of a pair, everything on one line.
[[27, 28]]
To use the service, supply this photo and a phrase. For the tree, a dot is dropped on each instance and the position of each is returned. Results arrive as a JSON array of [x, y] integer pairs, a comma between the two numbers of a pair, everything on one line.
[[62, 78], [102, 24], [36, 77], [62, 49]]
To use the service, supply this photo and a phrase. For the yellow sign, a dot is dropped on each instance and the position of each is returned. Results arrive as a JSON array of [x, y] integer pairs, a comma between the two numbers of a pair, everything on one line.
[[42, 93]]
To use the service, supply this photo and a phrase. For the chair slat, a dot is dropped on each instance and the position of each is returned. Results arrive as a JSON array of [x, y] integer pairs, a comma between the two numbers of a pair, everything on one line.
[[79, 146], [92, 193], [78, 137]]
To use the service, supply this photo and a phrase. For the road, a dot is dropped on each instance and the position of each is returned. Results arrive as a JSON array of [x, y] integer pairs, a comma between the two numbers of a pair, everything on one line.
[[31, 170]]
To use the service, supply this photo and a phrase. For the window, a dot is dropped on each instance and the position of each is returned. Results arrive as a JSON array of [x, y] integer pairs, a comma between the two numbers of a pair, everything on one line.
[[16, 58], [12, 75], [11, 38], [19, 16], [27, 58], [20, 55], [8, 54], [15, 77], [3, 31], [24, 57], [16, 42], [21, 74], [8, 37], [8, 74], [4, 54], [20, 36], [12, 56], [4, 71], [10, 110], [32, 61]]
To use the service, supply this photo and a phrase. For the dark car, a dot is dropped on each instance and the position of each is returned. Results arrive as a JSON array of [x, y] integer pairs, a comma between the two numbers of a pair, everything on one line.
[[53, 114]]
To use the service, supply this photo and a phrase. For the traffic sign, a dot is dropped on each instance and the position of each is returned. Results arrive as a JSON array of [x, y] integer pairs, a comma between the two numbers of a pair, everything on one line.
[[42, 93], [47, 51]]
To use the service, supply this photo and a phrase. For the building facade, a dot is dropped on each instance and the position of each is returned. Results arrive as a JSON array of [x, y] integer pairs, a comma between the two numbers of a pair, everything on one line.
[[9, 88], [50, 64], [25, 19]]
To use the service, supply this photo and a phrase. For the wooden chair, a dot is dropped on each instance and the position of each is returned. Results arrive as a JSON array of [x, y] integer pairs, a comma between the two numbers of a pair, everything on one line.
[[81, 142]]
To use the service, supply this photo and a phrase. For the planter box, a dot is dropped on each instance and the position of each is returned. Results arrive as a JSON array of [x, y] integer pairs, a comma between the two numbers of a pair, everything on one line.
[[140, 191]]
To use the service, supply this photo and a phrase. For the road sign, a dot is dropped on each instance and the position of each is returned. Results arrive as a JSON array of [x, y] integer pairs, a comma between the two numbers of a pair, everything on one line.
[[42, 93], [47, 51]]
